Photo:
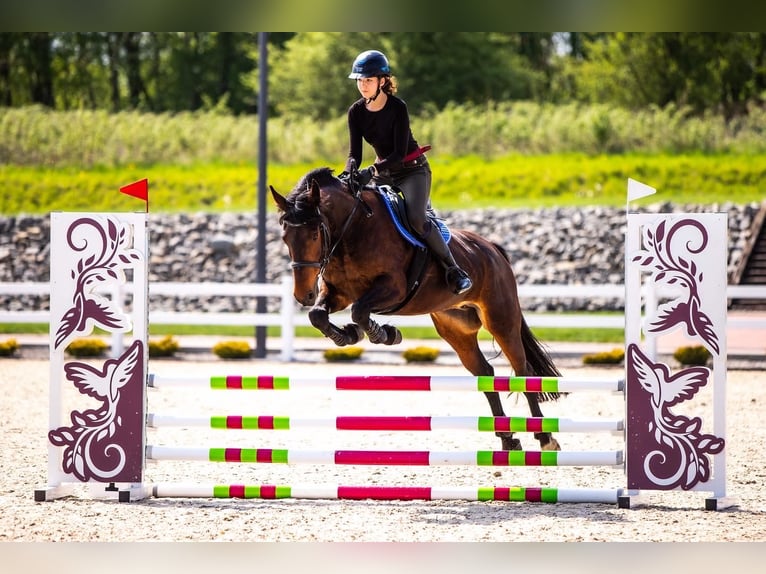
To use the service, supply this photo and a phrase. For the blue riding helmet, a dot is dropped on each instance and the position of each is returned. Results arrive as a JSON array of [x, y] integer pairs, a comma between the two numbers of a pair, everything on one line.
[[369, 64]]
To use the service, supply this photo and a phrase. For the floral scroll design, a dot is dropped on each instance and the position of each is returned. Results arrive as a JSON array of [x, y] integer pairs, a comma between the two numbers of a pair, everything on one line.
[[105, 253], [681, 455], [95, 444], [679, 269]]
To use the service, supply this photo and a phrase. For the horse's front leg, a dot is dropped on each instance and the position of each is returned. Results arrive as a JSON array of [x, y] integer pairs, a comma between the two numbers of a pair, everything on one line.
[[319, 316]]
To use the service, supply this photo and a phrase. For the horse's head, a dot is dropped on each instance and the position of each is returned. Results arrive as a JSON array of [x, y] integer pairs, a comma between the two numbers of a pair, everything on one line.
[[305, 231]]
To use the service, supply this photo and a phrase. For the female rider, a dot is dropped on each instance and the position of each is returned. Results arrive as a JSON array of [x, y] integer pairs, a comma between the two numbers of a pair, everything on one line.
[[382, 119]]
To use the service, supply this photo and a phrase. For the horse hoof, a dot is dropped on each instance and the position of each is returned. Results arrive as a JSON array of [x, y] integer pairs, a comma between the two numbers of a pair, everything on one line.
[[511, 443], [553, 444], [393, 335], [354, 333]]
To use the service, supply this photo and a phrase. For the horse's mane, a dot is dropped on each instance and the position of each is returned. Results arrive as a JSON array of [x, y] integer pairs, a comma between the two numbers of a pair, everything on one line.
[[301, 210]]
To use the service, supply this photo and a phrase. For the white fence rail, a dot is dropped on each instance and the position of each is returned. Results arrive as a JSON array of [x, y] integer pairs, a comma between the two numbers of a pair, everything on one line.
[[290, 316]]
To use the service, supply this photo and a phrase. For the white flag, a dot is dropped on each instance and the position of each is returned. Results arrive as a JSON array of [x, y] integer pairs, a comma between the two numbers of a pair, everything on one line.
[[637, 190]]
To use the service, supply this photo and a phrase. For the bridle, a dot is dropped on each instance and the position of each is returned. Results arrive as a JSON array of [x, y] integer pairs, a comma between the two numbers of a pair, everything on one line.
[[327, 249], [324, 257]]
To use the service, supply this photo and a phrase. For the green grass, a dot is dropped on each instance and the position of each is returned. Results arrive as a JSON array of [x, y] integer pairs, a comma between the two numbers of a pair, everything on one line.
[[512, 181], [594, 335]]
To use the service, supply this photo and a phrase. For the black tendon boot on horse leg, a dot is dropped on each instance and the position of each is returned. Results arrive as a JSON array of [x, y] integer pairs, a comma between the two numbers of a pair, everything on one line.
[[457, 279]]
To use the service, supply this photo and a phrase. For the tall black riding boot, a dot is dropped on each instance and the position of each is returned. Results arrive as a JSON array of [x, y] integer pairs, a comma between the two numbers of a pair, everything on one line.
[[457, 279]]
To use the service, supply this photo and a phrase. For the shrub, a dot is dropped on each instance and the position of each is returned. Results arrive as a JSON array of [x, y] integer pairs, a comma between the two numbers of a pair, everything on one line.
[[613, 357], [343, 354], [695, 355], [87, 347], [165, 347], [8, 348], [232, 349], [420, 354]]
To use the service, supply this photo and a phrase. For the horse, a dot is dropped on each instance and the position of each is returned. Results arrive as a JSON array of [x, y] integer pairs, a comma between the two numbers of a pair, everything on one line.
[[345, 250]]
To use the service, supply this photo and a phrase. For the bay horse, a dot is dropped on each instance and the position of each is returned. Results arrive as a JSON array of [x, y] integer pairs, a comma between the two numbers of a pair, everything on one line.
[[346, 251]]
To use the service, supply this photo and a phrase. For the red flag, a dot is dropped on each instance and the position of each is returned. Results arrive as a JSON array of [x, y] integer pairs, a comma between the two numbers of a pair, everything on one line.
[[139, 189]]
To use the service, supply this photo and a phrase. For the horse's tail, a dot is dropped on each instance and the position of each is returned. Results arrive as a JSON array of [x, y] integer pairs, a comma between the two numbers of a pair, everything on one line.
[[539, 361]]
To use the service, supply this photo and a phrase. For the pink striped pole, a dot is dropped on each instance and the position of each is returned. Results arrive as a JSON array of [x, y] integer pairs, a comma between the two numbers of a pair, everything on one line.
[[391, 458], [390, 423], [485, 493], [393, 383]]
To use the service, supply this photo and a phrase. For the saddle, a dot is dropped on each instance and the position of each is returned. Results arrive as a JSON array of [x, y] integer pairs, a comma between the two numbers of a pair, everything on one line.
[[397, 209]]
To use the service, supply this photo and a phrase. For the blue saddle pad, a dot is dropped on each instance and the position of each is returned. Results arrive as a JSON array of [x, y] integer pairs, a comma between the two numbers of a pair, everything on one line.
[[391, 199]]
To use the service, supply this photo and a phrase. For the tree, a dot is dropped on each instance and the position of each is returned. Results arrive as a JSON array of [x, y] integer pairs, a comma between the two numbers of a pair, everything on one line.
[[6, 48], [34, 54], [702, 71], [309, 76], [463, 67], [722, 72]]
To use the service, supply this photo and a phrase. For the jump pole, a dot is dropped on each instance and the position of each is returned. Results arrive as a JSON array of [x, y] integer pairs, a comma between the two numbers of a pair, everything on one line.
[[392, 383], [126, 237], [389, 423], [336, 492]]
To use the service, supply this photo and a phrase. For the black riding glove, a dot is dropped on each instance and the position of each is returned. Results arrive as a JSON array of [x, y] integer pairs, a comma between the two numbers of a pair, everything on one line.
[[365, 175]]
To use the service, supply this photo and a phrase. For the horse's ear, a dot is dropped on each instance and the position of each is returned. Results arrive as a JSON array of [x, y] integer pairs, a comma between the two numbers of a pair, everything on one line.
[[278, 199], [315, 192]]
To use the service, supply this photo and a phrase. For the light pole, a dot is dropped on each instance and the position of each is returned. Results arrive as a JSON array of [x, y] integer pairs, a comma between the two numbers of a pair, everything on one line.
[[260, 262]]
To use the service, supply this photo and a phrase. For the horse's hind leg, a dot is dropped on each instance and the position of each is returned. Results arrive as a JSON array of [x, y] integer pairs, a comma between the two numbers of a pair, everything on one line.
[[459, 329], [546, 439], [515, 352]]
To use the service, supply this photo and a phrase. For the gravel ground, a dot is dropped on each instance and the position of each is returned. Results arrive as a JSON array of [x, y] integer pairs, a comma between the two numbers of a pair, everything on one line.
[[667, 517]]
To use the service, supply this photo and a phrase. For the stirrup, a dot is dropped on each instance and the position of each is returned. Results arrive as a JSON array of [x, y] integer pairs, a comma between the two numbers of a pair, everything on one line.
[[458, 280]]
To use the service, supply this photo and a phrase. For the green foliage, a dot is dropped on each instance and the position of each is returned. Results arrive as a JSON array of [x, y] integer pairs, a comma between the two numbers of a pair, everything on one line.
[[94, 138], [473, 68], [119, 70], [90, 140], [638, 70], [219, 71], [87, 347], [8, 347], [309, 77], [695, 355], [613, 357], [420, 354], [165, 347], [232, 350], [343, 354]]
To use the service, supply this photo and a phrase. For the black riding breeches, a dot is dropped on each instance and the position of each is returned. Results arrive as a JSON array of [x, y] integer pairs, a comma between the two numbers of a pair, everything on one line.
[[415, 184]]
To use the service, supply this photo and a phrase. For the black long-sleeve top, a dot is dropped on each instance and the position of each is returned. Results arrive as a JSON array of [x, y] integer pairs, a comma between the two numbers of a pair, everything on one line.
[[387, 131]]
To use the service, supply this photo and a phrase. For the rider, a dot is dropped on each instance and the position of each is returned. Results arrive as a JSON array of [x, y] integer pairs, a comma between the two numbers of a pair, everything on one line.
[[382, 120]]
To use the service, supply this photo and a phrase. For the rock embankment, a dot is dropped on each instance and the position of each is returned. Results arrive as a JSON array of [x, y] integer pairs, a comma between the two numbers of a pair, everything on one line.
[[556, 245]]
